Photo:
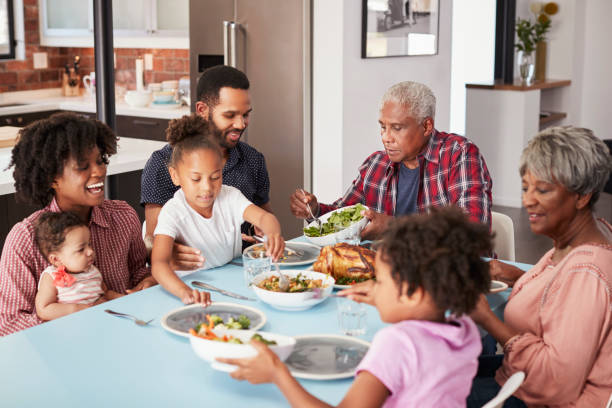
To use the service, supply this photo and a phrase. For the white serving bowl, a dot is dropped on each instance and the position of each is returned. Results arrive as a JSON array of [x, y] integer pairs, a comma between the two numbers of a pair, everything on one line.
[[138, 99], [209, 350], [297, 300], [332, 239]]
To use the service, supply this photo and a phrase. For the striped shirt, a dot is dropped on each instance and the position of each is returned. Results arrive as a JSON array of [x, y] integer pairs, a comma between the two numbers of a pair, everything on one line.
[[86, 289], [116, 237], [452, 171]]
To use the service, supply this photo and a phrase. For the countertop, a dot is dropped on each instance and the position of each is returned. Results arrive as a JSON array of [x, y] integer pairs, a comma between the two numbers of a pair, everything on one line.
[[132, 154], [51, 99]]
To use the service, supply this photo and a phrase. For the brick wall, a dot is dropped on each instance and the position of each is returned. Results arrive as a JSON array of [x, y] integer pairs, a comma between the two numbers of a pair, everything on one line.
[[21, 75]]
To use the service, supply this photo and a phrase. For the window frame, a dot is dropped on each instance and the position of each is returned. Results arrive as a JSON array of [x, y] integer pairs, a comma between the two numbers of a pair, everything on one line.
[[12, 44]]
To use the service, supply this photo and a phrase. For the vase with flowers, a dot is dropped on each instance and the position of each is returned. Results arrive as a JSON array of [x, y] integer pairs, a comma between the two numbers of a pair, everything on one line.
[[542, 12], [525, 45]]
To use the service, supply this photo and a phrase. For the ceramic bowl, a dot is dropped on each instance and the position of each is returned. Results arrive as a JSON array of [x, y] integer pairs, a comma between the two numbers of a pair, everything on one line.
[[298, 300], [209, 350], [332, 239], [163, 97], [138, 99]]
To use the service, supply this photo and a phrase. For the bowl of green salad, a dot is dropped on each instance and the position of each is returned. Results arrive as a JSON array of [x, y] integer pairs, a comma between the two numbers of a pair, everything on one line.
[[337, 226]]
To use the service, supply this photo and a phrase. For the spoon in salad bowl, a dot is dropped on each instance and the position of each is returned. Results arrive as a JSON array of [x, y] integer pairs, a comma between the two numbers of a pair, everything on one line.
[[315, 219]]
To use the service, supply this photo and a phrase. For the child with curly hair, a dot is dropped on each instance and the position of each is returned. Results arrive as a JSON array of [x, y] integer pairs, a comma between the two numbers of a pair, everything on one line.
[[72, 282], [429, 276], [204, 213], [60, 165]]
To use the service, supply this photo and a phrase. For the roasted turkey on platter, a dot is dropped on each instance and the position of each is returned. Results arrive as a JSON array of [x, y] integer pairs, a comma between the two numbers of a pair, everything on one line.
[[346, 263]]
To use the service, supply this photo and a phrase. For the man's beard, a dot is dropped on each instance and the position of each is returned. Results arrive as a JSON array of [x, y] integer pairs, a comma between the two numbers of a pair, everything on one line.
[[220, 135]]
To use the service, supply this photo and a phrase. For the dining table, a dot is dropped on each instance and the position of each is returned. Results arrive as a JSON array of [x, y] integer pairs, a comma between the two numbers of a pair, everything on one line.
[[94, 359]]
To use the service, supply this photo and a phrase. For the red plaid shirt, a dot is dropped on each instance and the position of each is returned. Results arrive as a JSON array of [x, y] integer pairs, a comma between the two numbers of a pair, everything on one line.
[[116, 236], [452, 171]]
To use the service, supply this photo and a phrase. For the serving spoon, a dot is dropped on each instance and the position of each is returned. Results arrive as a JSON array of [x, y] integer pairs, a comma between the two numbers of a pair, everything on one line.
[[315, 219]]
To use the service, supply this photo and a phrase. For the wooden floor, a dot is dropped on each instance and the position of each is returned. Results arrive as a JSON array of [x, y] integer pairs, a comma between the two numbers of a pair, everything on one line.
[[530, 247]]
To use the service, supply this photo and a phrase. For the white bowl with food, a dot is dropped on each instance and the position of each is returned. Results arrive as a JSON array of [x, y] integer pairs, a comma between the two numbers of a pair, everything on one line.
[[337, 226], [235, 344], [306, 289]]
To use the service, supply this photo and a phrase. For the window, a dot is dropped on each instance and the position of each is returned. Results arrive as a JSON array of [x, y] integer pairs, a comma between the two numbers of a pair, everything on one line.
[[7, 30]]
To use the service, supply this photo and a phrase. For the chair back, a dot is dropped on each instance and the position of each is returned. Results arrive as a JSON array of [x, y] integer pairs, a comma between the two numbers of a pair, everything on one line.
[[506, 391], [503, 228], [609, 402]]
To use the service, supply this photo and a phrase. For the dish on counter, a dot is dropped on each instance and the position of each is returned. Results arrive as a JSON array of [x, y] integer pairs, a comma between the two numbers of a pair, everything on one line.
[[180, 320], [326, 357]]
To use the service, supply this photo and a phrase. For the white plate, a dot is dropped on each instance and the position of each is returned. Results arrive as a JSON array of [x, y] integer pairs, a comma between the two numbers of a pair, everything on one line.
[[180, 320], [326, 356], [498, 286], [331, 239], [311, 253]]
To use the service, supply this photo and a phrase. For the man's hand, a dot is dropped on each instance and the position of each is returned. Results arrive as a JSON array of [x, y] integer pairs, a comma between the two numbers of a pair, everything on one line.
[[143, 284], [378, 223], [185, 258], [360, 292], [501, 271], [263, 368], [299, 202]]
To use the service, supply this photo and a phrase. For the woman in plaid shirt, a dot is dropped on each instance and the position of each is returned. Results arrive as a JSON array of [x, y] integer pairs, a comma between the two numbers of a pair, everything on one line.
[[419, 168], [60, 164]]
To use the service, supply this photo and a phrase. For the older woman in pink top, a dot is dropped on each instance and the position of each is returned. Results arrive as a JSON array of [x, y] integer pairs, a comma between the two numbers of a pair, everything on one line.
[[558, 321]]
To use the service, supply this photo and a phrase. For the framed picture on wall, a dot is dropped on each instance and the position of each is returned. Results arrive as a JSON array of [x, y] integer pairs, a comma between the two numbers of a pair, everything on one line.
[[399, 28]]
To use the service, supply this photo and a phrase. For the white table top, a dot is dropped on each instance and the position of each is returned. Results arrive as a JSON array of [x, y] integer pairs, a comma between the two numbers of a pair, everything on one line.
[[132, 154]]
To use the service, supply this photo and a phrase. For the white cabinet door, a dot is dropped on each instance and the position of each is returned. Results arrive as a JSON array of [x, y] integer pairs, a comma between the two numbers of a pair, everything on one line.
[[172, 16]]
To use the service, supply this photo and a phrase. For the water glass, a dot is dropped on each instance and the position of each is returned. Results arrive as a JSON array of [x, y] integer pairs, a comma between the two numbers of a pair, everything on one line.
[[351, 317], [255, 265]]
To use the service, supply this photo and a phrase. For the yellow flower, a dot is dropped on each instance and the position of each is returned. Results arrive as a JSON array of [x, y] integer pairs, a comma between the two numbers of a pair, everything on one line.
[[543, 18], [536, 7], [551, 8]]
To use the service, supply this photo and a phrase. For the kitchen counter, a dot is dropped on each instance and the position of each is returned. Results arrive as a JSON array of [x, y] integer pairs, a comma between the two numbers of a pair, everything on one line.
[[132, 154], [51, 99]]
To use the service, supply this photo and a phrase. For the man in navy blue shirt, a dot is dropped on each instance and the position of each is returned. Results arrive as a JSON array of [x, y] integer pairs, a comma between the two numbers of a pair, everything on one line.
[[223, 99]]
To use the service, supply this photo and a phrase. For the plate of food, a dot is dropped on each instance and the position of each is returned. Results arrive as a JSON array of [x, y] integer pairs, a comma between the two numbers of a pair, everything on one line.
[[326, 357], [224, 315], [210, 343], [347, 264], [498, 286], [295, 254], [338, 225], [306, 289]]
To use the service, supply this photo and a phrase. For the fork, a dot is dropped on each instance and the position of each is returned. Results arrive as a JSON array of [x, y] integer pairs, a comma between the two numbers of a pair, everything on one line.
[[135, 319], [315, 219]]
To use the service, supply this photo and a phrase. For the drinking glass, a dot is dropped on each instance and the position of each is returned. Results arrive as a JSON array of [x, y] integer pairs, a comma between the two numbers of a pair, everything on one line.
[[351, 317], [255, 265]]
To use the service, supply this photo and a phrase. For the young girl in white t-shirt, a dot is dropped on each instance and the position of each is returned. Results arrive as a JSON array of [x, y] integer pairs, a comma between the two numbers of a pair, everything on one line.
[[429, 274], [72, 282], [204, 213]]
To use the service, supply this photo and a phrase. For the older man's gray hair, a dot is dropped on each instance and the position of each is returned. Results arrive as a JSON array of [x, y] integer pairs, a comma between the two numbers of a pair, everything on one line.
[[418, 97], [571, 156]]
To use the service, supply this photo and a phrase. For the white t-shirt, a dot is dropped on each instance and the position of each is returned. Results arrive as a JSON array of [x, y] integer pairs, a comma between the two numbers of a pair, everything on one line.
[[218, 237]]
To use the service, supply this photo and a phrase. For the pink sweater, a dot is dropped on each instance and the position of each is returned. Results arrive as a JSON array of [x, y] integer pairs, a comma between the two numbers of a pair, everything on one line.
[[563, 313]]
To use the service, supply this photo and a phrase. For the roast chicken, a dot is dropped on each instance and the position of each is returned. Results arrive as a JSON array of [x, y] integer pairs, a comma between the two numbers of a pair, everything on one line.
[[346, 262]]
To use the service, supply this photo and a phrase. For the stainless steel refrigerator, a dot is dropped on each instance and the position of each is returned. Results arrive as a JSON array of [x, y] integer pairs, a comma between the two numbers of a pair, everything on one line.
[[270, 41]]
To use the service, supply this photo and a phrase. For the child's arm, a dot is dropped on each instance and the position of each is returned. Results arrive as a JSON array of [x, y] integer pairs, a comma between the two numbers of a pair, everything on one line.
[[366, 391], [110, 294], [163, 273], [269, 226], [47, 307]]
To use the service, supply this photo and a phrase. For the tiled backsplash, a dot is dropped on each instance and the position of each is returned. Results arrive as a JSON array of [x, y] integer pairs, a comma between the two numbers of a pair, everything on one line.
[[21, 75]]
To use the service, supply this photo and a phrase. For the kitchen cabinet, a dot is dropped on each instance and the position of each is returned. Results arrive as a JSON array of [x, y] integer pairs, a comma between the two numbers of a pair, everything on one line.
[[142, 128], [23, 119], [137, 23]]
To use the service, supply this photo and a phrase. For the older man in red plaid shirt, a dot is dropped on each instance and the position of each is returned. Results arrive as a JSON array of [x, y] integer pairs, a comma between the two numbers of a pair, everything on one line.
[[419, 168]]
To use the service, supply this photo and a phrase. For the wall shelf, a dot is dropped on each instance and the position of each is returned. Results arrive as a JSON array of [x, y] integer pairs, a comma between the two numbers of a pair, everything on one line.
[[553, 117], [518, 86]]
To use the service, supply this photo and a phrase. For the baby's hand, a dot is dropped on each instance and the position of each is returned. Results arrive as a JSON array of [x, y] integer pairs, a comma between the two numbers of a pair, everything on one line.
[[195, 296]]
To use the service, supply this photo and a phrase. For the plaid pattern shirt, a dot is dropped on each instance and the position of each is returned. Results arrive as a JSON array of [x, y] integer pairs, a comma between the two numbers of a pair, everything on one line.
[[116, 237], [452, 171]]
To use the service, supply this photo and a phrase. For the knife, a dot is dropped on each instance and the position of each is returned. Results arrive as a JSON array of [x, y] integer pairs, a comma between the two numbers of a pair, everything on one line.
[[221, 291]]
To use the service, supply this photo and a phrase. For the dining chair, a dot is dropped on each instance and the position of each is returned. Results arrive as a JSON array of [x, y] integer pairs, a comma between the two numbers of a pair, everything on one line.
[[609, 405], [506, 391], [503, 228]]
